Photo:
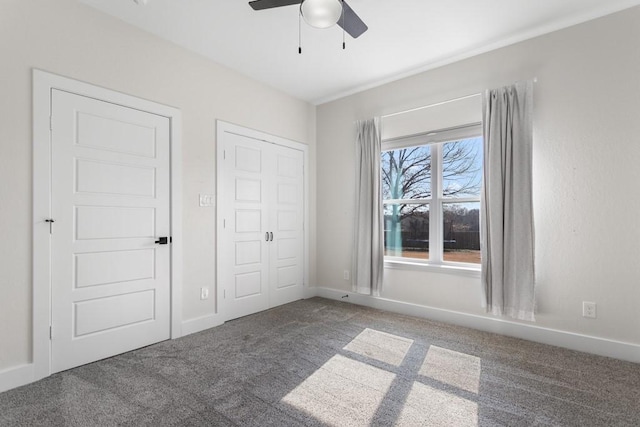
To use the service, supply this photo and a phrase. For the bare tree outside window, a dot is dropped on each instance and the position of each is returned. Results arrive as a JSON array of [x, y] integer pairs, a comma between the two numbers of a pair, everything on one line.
[[407, 176], [462, 168]]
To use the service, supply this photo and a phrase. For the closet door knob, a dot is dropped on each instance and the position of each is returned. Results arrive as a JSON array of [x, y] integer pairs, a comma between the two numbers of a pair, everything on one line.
[[266, 236], [271, 236]]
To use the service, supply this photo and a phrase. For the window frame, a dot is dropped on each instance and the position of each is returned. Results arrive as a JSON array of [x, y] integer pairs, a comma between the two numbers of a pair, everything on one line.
[[435, 140]]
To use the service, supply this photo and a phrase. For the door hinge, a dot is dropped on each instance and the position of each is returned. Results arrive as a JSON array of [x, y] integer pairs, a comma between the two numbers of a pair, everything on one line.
[[224, 223], [224, 293], [50, 122], [224, 154], [50, 332]]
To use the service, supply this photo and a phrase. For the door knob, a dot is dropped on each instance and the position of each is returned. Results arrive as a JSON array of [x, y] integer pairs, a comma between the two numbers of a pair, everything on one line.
[[162, 240]]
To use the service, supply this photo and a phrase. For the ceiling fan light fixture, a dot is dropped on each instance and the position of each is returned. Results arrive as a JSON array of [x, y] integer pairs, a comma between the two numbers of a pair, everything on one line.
[[321, 13]]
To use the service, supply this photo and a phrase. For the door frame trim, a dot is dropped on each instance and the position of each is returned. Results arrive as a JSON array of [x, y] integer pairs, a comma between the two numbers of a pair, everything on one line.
[[221, 128], [43, 85]]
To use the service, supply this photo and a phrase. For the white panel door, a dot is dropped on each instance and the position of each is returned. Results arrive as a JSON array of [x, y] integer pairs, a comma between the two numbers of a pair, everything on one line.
[[261, 262], [244, 262], [110, 281], [286, 208]]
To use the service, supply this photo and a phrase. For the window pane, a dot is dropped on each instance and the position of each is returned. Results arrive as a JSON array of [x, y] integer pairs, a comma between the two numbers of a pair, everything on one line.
[[461, 232], [406, 173], [462, 168], [406, 230]]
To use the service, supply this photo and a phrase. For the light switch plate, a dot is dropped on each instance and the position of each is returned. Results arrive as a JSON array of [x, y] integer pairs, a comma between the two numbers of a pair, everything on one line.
[[206, 200]]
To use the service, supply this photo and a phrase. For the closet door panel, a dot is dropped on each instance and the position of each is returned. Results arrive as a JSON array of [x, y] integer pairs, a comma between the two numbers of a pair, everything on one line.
[[286, 218], [244, 259]]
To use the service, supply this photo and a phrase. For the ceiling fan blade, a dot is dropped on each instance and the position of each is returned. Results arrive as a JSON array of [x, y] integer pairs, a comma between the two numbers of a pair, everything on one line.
[[352, 22], [268, 4]]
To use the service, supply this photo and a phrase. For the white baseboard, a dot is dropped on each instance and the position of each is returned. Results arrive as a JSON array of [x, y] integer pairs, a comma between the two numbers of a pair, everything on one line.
[[16, 377], [585, 343], [198, 324], [310, 291]]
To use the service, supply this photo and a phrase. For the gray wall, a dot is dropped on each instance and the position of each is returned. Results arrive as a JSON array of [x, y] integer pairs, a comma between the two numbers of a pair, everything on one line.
[[586, 154]]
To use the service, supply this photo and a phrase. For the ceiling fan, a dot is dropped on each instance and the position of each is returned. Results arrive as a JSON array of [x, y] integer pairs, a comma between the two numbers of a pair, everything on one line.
[[321, 13]]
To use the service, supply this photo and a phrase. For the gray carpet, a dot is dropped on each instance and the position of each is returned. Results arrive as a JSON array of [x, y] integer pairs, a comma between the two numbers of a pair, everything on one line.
[[320, 362]]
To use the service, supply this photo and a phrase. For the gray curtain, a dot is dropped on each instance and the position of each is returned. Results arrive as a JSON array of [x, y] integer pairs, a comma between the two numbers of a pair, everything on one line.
[[368, 256], [507, 234]]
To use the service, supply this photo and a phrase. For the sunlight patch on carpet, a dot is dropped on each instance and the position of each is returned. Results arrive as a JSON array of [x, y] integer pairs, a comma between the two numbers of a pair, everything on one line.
[[451, 367], [381, 346], [427, 406], [342, 392]]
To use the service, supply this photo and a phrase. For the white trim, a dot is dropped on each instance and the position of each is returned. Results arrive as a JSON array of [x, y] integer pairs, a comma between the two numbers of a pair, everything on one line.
[[310, 292], [460, 269], [307, 224], [43, 84], [573, 341], [41, 210], [15, 377], [176, 224], [221, 128], [198, 324]]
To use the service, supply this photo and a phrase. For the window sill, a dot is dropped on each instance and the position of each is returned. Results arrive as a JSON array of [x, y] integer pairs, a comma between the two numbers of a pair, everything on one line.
[[459, 270]]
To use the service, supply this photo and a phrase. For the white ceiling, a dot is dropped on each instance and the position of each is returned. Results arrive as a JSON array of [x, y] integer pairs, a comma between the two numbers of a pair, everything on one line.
[[404, 37]]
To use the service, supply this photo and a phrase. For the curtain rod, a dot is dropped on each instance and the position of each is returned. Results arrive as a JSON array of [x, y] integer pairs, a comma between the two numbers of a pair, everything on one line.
[[411, 110]]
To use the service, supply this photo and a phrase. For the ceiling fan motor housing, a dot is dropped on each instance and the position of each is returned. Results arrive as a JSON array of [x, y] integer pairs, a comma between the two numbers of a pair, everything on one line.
[[321, 13]]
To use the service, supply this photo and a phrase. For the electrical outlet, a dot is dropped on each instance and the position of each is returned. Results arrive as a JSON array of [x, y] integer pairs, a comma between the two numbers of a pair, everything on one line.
[[346, 275], [204, 293], [589, 309]]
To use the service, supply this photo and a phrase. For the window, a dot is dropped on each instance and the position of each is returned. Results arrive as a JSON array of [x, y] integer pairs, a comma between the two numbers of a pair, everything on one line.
[[431, 195]]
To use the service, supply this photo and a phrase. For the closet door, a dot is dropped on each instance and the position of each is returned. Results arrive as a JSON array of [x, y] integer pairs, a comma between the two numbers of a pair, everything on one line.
[[261, 242], [243, 258], [286, 214]]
